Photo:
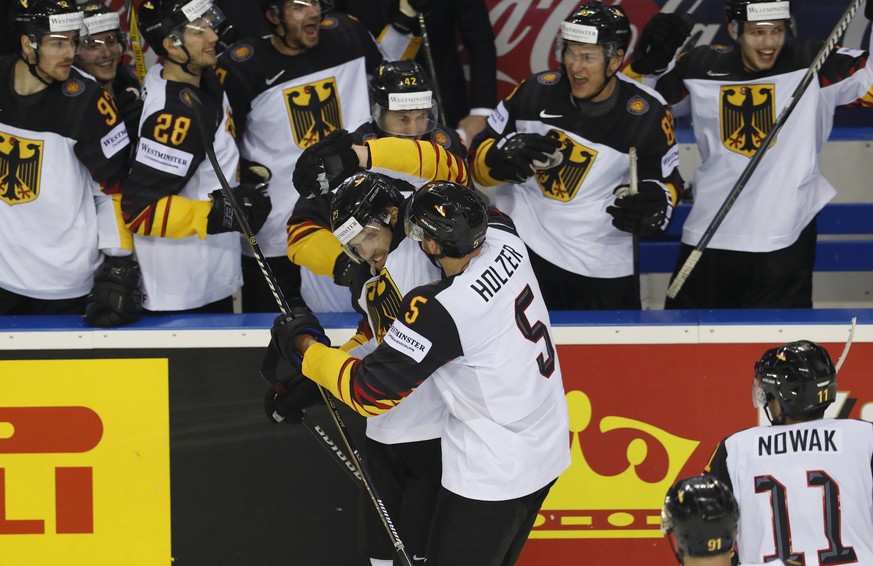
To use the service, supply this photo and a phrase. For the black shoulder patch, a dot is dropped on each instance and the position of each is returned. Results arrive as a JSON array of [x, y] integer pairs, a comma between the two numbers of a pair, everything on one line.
[[637, 105], [718, 48], [441, 138], [185, 97], [329, 23]]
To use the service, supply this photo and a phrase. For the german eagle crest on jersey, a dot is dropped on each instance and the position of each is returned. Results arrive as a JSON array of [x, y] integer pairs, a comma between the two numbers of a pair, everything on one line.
[[747, 114], [20, 166], [314, 111], [563, 182], [383, 303]]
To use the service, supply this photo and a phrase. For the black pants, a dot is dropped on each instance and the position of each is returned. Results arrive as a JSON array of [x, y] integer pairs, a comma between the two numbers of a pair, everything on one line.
[[725, 279], [256, 294], [15, 304], [563, 290], [407, 478], [469, 532]]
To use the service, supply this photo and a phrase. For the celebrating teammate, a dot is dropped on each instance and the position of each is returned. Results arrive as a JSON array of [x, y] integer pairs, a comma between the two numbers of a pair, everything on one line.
[[762, 254], [558, 150], [803, 485], [505, 441], [185, 233]]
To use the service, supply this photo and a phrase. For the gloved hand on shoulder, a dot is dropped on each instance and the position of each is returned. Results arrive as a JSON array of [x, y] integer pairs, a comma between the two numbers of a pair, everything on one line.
[[661, 37], [515, 157]]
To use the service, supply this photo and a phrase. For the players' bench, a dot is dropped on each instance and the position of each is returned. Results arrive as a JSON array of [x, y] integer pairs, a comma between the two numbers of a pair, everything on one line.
[[658, 255]]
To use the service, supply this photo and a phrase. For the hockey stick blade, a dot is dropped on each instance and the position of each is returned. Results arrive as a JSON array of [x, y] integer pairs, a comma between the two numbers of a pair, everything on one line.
[[364, 476], [828, 47]]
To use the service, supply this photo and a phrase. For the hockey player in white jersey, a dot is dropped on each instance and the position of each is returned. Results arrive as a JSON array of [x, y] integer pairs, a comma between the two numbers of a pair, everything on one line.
[[762, 254], [804, 484], [558, 152], [482, 335], [185, 233], [63, 154], [288, 91], [403, 445]]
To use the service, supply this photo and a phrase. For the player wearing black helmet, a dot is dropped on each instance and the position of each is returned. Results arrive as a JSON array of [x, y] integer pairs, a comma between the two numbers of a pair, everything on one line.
[[803, 485], [558, 152], [100, 56], [402, 106], [762, 254], [505, 440], [289, 91], [185, 232], [700, 518], [60, 136]]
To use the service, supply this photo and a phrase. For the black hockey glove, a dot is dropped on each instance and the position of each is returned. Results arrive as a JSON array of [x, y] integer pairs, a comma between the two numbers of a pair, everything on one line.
[[324, 165], [116, 298], [662, 36], [345, 269], [422, 6], [129, 105], [512, 158], [288, 329], [290, 392], [251, 195], [645, 213], [868, 10]]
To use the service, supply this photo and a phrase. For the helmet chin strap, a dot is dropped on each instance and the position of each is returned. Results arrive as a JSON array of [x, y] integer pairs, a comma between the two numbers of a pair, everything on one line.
[[184, 66], [33, 66], [606, 80], [779, 421]]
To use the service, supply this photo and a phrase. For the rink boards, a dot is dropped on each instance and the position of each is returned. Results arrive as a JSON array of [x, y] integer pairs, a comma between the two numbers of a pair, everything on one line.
[[149, 443]]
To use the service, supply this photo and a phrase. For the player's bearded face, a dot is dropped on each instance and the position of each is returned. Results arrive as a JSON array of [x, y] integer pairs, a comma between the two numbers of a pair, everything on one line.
[[760, 44], [200, 41], [302, 23], [373, 244], [56, 53]]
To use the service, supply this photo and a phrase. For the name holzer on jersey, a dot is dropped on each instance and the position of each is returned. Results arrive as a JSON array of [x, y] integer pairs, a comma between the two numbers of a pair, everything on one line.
[[492, 280], [804, 440]]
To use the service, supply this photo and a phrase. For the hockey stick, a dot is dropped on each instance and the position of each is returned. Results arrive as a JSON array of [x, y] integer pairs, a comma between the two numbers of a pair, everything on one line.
[[734, 193], [135, 41], [632, 189], [273, 284], [847, 346], [428, 55]]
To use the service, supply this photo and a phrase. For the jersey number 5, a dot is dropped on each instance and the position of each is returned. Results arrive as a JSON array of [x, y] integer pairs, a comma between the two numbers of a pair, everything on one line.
[[836, 553], [534, 332]]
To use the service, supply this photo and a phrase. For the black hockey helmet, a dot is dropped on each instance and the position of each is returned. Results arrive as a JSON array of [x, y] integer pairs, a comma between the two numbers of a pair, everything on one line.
[[596, 23], [452, 214], [359, 201], [99, 19], [399, 86], [35, 18], [800, 375], [757, 10], [701, 514], [167, 18]]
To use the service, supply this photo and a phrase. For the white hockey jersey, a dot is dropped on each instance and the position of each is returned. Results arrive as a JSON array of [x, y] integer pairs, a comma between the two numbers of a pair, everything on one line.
[[483, 337], [58, 148], [732, 111], [805, 491], [183, 273]]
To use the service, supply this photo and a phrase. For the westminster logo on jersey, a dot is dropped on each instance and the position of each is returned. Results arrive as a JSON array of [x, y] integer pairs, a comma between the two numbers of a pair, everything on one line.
[[383, 303], [563, 182], [314, 111], [20, 166], [747, 114]]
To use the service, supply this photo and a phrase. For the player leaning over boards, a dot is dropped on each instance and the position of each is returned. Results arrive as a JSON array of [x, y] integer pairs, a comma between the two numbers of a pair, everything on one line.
[[185, 233], [64, 152], [482, 334], [763, 253], [804, 484], [700, 517], [570, 207]]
